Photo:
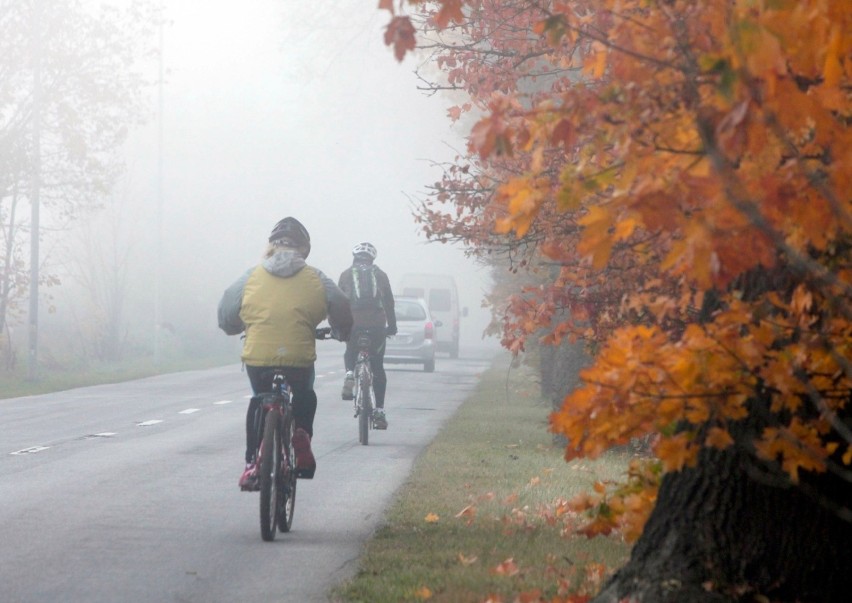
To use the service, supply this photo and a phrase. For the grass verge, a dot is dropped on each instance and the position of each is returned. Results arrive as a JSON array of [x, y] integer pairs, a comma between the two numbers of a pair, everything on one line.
[[58, 378], [483, 515]]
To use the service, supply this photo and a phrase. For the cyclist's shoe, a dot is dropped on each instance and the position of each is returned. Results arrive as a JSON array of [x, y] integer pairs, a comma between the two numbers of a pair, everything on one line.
[[380, 421], [306, 465], [248, 480], [348, 386]]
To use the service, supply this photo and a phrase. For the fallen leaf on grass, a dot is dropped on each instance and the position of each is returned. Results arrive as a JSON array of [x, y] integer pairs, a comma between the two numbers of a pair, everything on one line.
[[532, 596], [431, 518], [423, 593], [465, 561], [560, 506], [507, 568], [469, 511]]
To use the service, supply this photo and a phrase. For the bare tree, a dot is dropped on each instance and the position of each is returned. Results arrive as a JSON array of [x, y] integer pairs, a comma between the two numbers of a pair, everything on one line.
[[71, 86]]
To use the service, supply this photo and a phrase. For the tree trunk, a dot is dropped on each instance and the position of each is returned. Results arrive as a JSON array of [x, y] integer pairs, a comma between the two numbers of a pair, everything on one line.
[[560, 368], [729, 530]]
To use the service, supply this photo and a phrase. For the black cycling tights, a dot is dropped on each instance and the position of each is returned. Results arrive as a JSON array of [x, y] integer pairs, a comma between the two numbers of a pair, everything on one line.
[[301, 381], [377, 360]]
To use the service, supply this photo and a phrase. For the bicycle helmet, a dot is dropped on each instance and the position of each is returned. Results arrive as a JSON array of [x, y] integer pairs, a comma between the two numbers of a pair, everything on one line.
[[291, 230], [365, 249]]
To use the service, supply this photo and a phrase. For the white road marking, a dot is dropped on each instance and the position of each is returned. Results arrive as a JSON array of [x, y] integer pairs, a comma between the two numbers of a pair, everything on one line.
[[30, 450], [103, 434], [149, 423], [109, 434]]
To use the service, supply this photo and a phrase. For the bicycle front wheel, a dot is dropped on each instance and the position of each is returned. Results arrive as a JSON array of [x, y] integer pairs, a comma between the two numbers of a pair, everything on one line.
[[270, 470], [287, 485]]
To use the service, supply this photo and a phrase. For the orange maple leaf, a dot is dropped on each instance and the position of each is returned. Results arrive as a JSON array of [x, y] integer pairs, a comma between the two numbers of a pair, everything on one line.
[[451, 10], [833, 68], [599, 526], [563, 133], [719, 438], [676, 453], [400, 35]]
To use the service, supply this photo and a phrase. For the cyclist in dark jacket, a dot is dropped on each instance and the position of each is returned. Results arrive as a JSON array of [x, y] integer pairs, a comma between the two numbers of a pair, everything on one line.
[[279, 304], [371, 299]]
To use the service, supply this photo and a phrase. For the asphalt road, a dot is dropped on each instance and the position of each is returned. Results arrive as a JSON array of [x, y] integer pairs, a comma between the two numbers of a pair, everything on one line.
[[128, 492]]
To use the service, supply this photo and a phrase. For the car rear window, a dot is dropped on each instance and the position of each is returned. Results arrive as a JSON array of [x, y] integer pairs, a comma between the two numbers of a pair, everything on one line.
[[409, 311], [439, 299]]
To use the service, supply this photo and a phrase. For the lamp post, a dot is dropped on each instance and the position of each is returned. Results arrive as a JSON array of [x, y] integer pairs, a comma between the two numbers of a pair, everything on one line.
[[35, 193], [159, 251]]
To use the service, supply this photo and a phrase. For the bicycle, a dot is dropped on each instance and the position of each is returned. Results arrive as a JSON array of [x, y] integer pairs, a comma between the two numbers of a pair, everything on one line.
[[276, 458], [363, 390]]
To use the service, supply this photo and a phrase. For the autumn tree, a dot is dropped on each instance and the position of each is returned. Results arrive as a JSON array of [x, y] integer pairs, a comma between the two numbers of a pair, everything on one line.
[[688, 165], [60, 130]]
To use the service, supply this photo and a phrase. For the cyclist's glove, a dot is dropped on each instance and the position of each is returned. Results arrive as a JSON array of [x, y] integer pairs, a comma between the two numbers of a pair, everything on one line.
[[390, 331]]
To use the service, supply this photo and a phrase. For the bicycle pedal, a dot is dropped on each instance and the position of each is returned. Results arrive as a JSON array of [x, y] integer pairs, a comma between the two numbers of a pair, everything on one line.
[[306, 473]]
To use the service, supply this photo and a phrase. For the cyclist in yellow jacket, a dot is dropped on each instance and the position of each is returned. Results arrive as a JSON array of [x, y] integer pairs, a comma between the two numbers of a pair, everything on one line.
[[279, 304]]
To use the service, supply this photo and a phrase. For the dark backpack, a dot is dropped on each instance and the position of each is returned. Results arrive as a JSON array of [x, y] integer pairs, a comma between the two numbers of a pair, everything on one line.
[[365, 288]]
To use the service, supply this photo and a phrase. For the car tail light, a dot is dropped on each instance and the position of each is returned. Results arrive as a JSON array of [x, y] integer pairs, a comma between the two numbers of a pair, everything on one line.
[[429, 330]]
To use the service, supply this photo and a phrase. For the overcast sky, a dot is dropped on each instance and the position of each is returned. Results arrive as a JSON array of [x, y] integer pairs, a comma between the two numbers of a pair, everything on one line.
[[275, 108]]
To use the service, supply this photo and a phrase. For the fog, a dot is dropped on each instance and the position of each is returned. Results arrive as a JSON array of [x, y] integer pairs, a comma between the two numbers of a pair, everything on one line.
[[276, 108]]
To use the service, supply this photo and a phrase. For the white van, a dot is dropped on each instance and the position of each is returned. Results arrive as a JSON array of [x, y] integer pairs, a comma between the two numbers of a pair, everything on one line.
[[441, 295]]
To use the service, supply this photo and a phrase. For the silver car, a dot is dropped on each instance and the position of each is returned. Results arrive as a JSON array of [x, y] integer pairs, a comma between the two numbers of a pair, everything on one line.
[[414, 342]]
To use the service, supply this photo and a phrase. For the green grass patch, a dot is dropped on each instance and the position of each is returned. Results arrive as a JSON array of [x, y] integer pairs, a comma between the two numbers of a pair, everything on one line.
[[483, 512], [58, 378]]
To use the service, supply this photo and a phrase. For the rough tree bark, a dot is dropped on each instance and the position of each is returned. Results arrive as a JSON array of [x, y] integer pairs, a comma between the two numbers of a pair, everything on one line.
[[733, 530]]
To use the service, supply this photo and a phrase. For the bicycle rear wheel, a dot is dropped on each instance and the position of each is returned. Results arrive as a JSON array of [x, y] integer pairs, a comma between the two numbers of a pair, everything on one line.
[[270, 470], [365, 415], [287, 484]]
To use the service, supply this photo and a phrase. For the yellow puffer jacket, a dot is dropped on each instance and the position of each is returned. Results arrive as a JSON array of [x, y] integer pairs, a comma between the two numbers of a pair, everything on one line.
[[279, 305], [281, 315]]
